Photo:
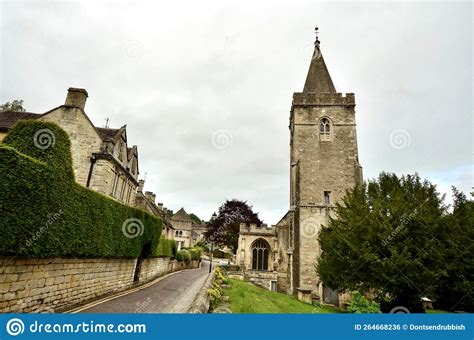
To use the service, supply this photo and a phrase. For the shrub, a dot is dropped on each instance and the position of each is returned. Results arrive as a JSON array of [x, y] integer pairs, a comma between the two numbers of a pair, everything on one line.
[[165, 248], [220, 278], [360, 304], [183, 256], [45, 213], [216, 291], [195, 253]]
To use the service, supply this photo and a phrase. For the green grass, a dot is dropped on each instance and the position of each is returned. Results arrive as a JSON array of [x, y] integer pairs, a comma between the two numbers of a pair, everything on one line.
[[245, 297], [437, 311]]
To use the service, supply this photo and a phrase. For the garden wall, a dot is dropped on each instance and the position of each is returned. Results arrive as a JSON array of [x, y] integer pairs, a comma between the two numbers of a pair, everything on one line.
[[55, 284]]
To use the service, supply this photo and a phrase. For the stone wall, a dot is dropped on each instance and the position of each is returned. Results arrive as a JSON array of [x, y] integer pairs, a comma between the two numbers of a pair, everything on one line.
[[51, 285], [262, 279]]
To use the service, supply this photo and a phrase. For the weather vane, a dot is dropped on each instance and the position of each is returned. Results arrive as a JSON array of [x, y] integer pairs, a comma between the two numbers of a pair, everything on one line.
[[316, 31]]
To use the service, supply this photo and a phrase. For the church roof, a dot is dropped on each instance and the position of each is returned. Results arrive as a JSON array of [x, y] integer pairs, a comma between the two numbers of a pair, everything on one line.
[[318, 79], [181, 215]]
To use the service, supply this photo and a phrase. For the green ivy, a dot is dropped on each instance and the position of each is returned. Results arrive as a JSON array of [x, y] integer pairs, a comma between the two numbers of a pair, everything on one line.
[[45, 213]]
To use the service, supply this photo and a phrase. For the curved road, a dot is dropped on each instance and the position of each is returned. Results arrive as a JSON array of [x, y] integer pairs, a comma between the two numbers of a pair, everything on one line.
[[173, 294]]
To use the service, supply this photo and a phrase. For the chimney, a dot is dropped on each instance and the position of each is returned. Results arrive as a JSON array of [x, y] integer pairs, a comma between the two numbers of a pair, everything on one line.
[[160, 206], [141, 184], [150, 196], [76, 98], [165, 210]]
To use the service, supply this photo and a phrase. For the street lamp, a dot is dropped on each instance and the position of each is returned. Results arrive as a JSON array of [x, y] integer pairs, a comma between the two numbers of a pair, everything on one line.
[[212, 252]]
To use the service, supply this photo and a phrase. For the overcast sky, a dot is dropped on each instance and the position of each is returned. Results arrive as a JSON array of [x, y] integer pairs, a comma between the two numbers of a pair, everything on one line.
[[205, 88]]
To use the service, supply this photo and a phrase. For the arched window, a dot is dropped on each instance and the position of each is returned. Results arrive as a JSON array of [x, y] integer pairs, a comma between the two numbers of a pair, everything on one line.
[[260, 250], [325, 129]]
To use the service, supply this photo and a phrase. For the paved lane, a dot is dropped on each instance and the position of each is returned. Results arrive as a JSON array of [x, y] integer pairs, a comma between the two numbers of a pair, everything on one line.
[[173, 294]]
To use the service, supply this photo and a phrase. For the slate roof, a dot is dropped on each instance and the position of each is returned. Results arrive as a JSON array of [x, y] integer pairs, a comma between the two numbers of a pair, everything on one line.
[[181, 215], [318, 79], [107, 134], [8, 118]]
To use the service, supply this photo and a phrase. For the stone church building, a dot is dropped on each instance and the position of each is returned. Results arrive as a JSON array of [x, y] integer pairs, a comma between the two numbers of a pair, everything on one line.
[[323, 165]]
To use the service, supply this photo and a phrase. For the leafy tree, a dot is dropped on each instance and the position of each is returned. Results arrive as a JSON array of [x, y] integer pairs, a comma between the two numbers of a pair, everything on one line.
[[385, 239], [15, 105], [223, 228], [456, 286], [195, 219]]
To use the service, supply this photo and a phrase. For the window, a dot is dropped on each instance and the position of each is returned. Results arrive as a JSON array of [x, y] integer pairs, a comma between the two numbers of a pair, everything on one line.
[[327, 199], [325, 129], [123, 188], [260, 250], [114, 184]]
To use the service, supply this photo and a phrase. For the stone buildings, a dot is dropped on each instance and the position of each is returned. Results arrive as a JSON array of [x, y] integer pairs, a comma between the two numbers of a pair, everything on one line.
[[186, 231], [323, 165], [102, 158]]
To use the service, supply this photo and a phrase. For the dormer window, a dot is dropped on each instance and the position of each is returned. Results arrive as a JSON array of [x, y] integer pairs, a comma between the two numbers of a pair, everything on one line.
[[120, 152], [325, 129]]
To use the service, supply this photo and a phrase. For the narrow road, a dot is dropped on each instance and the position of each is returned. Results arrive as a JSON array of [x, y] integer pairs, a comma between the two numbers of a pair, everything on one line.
[[173, 294]]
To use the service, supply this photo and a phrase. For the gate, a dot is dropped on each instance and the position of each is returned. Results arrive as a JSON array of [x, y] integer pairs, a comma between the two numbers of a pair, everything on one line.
[[330, 296]]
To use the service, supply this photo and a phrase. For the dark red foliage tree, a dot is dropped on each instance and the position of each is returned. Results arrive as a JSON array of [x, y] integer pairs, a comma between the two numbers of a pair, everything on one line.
[[223, 228]]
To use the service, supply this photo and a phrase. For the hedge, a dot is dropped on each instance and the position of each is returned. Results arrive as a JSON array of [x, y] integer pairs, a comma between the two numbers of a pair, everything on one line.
[[166, 248], [183, 256], [195, 253], [45, 213]]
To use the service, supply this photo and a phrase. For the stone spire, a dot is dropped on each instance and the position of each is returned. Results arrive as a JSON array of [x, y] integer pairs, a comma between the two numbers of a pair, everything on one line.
[[318, 79]]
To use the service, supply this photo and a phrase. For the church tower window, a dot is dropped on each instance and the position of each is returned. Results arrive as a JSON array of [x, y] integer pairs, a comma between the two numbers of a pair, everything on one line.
[[327, 198], [325, 129]]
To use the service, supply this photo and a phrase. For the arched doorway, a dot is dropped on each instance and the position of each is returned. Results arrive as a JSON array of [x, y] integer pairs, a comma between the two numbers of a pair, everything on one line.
[[260, 252]]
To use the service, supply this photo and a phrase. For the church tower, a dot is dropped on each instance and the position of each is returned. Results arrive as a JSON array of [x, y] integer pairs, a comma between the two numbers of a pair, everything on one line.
[[324, 164]]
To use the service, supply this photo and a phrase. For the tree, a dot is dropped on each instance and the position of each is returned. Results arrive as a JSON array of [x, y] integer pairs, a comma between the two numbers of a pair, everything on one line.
[[385, 239], [195, 219], [223, 228], [456, 287], [15, 105]]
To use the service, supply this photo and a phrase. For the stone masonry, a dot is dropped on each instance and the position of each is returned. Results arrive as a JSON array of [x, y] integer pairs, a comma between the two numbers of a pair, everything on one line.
[[52, 285]]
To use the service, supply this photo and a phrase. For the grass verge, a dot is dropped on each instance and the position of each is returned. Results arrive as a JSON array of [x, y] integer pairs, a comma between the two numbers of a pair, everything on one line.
[[245, 297]]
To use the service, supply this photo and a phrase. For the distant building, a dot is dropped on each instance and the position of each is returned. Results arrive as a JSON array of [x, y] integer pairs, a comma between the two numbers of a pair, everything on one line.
[[146, 201], [183, 226]]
